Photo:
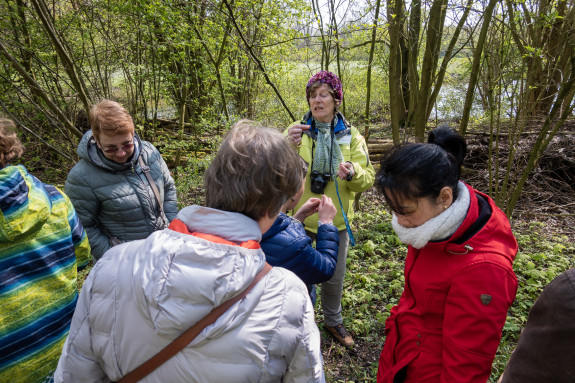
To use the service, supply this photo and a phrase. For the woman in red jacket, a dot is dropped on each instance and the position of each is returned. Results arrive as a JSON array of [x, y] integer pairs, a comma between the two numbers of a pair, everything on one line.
[[459, 279]]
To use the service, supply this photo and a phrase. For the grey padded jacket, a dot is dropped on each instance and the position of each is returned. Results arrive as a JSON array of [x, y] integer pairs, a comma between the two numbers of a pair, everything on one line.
[[118, 197], [143, 294]]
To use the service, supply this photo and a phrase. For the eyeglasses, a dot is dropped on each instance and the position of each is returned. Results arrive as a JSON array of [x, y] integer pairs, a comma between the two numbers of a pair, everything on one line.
[[124, 147]]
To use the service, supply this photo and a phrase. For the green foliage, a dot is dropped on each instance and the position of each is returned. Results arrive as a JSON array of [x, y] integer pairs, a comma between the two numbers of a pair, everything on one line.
[[190, 182], [540, 259], [159, 55]]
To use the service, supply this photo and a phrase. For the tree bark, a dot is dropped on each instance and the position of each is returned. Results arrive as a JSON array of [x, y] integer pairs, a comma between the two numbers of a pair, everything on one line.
[[430, 57], [448, 56], [337, 50], [411, 80], [397, 110]]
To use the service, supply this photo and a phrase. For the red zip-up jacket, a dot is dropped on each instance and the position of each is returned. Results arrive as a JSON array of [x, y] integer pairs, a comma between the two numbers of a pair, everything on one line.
[[447, 325]]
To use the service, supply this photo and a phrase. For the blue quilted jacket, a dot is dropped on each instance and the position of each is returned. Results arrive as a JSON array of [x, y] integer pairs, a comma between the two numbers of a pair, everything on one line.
[[287, 245], [118, 197]]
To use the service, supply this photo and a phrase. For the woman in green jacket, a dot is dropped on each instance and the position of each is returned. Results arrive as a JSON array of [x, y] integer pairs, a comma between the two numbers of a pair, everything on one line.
[[339, 168]]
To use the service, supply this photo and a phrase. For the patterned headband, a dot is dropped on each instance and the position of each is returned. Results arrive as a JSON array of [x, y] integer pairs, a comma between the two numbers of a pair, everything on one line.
[[329, 79]]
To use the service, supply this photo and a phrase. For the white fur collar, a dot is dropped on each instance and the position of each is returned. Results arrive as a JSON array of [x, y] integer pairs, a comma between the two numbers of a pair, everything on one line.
[[439, 227]]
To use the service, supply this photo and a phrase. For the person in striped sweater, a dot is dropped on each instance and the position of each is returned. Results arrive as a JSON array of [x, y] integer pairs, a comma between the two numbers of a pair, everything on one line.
[[42, 245]]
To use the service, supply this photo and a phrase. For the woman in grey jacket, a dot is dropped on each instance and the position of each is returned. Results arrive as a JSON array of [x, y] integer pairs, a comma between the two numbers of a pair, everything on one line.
[[146, 293], [108, 186]]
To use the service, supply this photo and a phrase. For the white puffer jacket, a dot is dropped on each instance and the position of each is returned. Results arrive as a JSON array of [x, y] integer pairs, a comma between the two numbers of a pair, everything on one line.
[[143, 294]]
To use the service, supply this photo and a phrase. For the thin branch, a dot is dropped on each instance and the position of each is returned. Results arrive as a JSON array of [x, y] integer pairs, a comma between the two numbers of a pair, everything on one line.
[[20, 124], [43, 111], [257, 60], [34, 85]]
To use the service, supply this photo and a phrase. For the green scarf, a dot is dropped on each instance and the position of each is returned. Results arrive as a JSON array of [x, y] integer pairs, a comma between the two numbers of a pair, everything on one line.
[[323, 150]]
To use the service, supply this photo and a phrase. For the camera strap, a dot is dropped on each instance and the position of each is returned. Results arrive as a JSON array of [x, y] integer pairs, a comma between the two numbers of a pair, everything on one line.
[[351, 238], [346, 221]]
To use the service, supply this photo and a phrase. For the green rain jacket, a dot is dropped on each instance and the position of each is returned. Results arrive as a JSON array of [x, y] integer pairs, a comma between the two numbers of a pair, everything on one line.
[[354, 150], [42, 243]]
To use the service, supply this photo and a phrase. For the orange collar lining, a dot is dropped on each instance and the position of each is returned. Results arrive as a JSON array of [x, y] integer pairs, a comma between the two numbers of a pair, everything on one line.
[[181, 227]]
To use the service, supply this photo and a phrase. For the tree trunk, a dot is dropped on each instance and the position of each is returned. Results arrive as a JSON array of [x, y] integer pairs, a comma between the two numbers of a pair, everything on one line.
[[369, 67], [448, 56], [430, 57], [397, 111], [32, 84], [477, 54], [62, 52], [411, 80]]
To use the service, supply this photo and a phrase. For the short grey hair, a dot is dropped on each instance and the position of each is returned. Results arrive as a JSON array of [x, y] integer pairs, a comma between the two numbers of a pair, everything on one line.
[[254, 173]]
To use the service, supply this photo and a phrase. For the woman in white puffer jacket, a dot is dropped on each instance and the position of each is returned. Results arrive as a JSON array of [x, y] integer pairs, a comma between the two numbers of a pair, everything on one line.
[[143, 294]]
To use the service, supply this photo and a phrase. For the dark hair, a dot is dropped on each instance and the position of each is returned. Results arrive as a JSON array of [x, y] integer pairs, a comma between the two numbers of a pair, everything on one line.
[[255, 172], [421, 170]]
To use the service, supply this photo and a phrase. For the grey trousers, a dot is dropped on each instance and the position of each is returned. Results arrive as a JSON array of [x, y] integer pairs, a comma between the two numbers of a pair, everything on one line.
[[331, 290]]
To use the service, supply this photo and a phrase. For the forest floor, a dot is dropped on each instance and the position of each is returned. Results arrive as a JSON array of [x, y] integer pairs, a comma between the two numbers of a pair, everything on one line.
[[543, 222]]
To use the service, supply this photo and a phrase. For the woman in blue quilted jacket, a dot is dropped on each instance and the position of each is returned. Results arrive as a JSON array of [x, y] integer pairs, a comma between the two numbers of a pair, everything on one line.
[[287, 245], [121, 187]]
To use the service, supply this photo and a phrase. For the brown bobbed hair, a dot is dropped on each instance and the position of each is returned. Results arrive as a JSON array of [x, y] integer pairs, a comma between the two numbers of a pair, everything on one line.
[[111, 118], [254, 173], [10, 145]]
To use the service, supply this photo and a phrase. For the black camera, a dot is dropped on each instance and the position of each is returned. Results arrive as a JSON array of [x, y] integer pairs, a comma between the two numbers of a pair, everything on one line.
[[318, 181]]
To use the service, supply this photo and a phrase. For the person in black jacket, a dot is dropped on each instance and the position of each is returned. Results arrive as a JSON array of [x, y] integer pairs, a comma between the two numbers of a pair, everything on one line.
[[287, 245]]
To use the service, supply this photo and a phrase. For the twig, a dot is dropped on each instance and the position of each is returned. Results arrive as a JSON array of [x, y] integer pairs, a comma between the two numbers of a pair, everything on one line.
[[502, 134], [545, 214], [32, 133]]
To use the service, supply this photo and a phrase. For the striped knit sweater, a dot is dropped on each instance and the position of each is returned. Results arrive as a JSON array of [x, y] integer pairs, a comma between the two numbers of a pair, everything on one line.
[[41, 245]]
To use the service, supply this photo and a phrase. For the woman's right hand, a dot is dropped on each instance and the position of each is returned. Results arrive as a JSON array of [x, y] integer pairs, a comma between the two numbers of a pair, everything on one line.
[[326, 210], [294, 133]]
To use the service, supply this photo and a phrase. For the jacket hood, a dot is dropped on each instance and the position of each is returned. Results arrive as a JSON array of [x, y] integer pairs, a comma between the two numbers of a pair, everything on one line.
[[280, 224], [89, 151], [485, 229], [184, 277], [24, 203]]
